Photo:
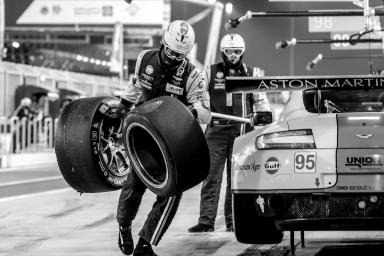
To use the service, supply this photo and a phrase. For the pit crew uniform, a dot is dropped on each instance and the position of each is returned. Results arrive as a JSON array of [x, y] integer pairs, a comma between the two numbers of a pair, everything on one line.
[[153, 79], [221, 134]]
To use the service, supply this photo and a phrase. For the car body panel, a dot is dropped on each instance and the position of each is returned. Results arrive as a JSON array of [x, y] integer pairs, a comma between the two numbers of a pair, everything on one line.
[[320, 165]]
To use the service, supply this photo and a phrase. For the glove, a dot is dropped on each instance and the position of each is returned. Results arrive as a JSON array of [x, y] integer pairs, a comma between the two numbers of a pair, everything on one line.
[[193, 111], [261, 118], [115, 108]]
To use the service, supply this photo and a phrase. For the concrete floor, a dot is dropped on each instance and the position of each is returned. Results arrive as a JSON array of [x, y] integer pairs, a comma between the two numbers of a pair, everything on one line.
[[61, 222]]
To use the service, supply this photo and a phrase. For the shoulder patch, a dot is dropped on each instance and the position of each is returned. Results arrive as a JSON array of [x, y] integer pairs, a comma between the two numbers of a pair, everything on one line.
[[149, 69], [219, 74]]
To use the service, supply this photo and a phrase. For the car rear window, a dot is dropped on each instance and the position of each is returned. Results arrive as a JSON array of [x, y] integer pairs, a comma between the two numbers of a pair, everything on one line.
[[334, 101]]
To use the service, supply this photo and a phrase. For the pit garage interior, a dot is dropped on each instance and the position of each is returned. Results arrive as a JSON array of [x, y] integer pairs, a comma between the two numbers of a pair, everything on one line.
[[78, 53]]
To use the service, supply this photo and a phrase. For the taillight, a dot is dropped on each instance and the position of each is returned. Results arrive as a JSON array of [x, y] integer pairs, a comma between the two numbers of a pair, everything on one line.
[[296, 139]]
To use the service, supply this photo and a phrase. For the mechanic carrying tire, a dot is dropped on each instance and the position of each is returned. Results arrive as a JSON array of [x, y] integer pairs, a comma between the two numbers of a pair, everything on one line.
[[158, 72], [220, 134], [170, 95]]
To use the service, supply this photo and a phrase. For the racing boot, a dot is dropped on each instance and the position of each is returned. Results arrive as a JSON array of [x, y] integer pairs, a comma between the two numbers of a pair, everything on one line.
[[143, 248], [201, 228], [125, 240]]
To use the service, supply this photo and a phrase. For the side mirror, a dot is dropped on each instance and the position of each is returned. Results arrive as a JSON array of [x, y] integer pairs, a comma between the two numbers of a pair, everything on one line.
[[261, 118]]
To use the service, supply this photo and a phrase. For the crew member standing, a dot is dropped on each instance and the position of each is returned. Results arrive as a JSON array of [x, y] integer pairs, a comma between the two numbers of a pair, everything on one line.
[[221, 134], [158, 72]]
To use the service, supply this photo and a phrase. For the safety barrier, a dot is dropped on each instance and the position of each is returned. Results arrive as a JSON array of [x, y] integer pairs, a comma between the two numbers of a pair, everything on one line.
[[24, 135]]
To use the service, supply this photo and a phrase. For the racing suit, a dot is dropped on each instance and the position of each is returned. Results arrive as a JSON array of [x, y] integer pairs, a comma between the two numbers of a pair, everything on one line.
[[153, 79], [220, 136]]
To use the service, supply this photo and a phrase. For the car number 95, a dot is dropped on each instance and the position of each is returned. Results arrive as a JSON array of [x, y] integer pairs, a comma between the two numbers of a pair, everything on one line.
[[305, 162]]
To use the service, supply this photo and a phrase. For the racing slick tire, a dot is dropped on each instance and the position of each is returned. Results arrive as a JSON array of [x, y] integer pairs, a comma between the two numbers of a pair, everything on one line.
[[166, 146], [89, 148], [250, 228]]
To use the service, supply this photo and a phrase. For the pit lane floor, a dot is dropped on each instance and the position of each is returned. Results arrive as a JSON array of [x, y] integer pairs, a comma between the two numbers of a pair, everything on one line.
[[40, 215]]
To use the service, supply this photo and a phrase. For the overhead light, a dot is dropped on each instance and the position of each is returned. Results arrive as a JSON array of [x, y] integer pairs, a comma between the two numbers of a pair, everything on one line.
[[15, 44], [97, 62], [211, 1], [228, 8], [85, 59]]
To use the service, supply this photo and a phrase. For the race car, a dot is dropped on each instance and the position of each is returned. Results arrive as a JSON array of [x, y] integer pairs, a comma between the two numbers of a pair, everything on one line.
[[319, 166]]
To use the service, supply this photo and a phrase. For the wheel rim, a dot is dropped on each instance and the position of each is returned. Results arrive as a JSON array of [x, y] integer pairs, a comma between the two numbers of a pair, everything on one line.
[[111, 147]]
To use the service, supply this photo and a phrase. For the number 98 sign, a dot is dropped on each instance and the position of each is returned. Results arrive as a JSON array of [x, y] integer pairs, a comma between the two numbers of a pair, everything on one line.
[[305, 162]]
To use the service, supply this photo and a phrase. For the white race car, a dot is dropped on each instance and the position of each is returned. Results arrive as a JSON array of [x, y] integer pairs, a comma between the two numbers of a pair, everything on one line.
[[319, 166]]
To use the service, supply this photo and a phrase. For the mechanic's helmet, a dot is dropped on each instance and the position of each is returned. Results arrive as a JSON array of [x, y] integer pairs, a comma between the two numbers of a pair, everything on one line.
[[178, 40], [26, 101], [232, 49]]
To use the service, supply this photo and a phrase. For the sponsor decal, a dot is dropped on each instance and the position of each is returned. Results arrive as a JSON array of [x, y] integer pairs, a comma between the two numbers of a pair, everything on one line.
[[364, 161], [300, 83], [220, 80], [364, 136], [44, 10], [200, 95], [272, 165], [248, 167], [179, 71], [147, 77], [149, 69], [174, 89], [355, 187], [94, 135], [56, 9], [261, 202], [219, 74], [219, 86], [183, 30]]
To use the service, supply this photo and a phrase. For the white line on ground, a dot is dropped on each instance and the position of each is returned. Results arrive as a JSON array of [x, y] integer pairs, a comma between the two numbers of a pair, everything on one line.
[[6, 199], [31, 167], [30, 181]]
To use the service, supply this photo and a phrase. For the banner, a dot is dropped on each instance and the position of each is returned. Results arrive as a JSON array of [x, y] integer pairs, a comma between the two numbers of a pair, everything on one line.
[[53, 12]]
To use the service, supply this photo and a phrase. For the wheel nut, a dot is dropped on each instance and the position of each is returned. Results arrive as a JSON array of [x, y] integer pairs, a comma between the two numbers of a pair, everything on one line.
[[362, 204], [373, 199]]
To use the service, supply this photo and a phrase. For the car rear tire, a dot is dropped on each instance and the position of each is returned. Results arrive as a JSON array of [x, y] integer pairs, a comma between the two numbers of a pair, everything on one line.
[[166, 146], [89, 148], [250, 228]]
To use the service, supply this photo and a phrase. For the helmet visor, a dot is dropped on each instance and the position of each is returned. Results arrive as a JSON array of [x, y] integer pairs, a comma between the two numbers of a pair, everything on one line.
[[233, 51], [174, 55]]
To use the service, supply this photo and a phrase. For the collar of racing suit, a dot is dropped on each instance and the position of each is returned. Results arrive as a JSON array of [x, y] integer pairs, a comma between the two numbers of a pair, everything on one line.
[[239, 70]]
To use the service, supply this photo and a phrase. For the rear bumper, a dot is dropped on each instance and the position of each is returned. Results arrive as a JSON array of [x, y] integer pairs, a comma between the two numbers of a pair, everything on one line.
[[332, 224], [333, 211]]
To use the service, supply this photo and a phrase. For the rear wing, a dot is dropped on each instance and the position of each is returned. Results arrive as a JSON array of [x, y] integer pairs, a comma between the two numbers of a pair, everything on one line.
[[293, 83]]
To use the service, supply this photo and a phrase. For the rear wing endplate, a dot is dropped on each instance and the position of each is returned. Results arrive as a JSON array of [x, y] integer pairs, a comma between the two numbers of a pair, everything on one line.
[[293, 83]]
